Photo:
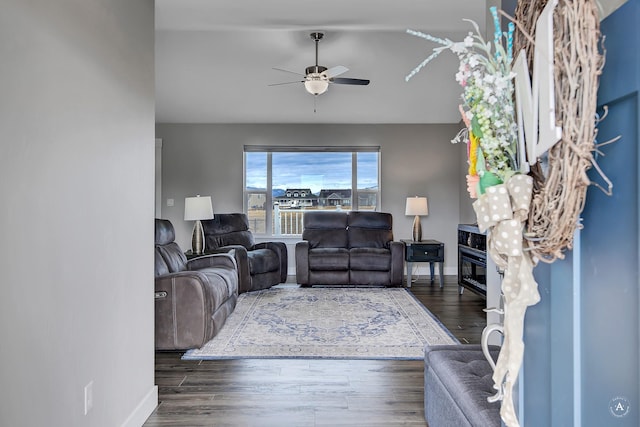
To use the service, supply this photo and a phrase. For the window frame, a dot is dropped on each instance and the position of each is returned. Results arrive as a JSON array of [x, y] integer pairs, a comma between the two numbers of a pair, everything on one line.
[[267, 193]]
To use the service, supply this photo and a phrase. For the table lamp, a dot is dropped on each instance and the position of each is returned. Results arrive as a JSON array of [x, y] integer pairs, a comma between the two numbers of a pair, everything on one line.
[[417, 206], [196, 209]]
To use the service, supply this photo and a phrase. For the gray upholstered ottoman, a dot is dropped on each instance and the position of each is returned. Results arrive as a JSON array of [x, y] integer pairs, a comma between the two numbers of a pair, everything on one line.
[[458, 382]]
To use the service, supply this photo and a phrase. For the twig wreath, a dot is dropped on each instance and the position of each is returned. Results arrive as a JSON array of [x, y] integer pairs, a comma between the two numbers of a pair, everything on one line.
[[559, 195], [530, 187]]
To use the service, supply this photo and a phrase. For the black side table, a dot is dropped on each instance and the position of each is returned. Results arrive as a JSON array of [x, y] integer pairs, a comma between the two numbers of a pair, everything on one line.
[[430, 251], [190, 255]]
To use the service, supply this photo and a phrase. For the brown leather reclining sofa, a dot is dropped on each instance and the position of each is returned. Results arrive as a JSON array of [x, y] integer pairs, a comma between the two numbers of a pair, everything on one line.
[[192, 298]]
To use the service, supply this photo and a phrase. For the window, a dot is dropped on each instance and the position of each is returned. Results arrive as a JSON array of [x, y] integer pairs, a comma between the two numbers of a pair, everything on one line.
[[281, 183]]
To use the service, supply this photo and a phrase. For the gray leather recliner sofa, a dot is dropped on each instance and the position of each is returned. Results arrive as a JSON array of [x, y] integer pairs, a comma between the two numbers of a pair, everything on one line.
[[260, 265], [349, 248], [192, 298]]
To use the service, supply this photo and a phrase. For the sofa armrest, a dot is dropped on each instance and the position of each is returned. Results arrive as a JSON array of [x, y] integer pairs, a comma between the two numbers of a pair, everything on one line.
[[226, 259], [302, 263], [242, 264], [179, 277], [281, 249], [176, 294], [397, 263]]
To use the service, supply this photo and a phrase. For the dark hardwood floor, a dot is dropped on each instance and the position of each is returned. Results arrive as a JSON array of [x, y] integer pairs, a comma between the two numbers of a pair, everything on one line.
[[461, 314], [304, 392]]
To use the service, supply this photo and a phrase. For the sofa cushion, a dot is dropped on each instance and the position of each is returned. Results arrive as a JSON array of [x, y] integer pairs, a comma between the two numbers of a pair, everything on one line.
[[263, 261], [216, 277], [373, 259], [370, 229], [369, 278], [229, 222], [328, 238], [173, 257], [364, 219], [325, 229], [160, 266], [329, 277], [164, 232], [369, 238], [242, 238], [329, 259], [227, 229], [325, 220]]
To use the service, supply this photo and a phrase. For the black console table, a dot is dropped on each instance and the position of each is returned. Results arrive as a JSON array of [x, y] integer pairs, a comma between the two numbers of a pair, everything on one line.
[[430, 251], [472, 259]]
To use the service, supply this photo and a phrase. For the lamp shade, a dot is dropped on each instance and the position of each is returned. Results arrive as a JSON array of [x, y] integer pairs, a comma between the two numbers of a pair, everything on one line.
[[417, 206], [196, 208]]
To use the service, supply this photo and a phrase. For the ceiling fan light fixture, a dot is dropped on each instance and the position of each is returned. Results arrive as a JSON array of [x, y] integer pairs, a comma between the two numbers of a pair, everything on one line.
[[316, 85]]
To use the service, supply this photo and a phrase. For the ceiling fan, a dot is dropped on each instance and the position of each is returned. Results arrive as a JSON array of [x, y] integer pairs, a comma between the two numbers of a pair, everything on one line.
[[317, 77]]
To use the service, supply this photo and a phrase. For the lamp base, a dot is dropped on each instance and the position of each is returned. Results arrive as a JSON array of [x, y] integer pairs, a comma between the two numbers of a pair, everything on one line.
[[197, 239], [417, 229]]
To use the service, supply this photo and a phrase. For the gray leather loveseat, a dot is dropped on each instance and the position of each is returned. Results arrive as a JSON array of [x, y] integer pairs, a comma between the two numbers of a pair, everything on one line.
[[192, 298], [349, 248]]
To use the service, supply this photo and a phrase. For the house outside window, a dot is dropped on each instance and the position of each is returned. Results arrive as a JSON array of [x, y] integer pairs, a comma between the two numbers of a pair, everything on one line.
[[282, 183]]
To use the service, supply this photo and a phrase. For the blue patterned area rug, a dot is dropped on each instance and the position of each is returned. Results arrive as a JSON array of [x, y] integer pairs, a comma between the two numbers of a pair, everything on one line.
[[326, 323]]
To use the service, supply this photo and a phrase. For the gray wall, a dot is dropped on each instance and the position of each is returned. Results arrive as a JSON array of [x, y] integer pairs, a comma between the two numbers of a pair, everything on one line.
[[76, 182], [206, 159]]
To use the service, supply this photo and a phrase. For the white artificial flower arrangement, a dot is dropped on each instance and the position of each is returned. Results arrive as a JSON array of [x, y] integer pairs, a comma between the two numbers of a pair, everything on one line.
[[488, 100]]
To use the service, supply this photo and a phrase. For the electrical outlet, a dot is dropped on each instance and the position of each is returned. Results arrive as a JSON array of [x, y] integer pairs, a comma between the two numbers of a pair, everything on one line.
[[88, 397]]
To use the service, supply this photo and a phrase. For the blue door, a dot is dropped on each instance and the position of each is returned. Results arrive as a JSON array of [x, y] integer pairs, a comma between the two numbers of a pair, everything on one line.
[[610, 299], [581, 365]]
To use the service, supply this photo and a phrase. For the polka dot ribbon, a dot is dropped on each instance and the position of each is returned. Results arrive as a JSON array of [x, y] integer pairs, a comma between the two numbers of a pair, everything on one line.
[[501, 212]]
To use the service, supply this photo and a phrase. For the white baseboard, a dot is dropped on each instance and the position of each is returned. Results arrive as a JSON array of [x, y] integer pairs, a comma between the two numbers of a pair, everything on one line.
[[143, 410]]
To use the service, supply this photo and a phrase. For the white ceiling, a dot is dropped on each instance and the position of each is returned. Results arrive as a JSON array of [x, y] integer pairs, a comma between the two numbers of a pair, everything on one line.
[[215, 59]]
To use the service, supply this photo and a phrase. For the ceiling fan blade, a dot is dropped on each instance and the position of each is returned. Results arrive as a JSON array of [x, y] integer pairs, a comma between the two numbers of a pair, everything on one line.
[[335, 71], [287, 71], [346, 81], [286, 83]]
